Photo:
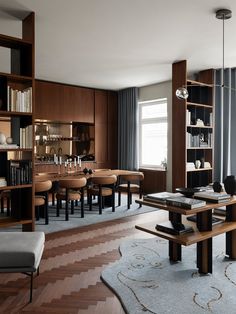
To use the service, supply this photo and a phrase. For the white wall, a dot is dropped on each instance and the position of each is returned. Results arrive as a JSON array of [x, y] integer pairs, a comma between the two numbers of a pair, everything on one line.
[[155, 91]]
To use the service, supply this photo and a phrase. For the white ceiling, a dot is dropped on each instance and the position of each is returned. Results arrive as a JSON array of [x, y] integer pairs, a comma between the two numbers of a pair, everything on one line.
[[114, 44]]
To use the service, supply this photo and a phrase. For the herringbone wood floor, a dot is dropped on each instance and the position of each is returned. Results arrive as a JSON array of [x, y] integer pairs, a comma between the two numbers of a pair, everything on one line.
[[69, 280]]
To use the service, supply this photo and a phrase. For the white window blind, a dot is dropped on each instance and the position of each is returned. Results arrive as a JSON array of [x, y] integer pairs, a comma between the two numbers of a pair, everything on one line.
[[152, 132]]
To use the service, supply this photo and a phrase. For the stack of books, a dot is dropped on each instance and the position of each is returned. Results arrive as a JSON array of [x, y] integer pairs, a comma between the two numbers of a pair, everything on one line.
[[185, 202], [174, 227], [220, 211], [3, 181], [213, 197], [160, 197]]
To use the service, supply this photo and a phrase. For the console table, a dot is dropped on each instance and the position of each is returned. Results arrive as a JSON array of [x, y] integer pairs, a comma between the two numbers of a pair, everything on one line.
[[203, 233]]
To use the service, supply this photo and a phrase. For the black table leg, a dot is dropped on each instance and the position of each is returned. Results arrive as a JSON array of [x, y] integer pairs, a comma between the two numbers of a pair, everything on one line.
[[231, 235], [204, 248], [175, 250]]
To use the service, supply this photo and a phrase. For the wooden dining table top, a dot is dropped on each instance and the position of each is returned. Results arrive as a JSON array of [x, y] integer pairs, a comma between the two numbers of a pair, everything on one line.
[[54, 176]]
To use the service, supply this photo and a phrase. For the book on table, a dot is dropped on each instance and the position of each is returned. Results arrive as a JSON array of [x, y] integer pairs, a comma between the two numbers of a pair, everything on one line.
[[174, 227], [220, 211], [160, 197], [185, 202], [215, 220], [214, 197]]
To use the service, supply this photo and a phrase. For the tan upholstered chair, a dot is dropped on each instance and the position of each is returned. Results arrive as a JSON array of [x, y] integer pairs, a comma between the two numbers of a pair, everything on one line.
[[41, 198], [129, 184], [102, 186], [71, 190]]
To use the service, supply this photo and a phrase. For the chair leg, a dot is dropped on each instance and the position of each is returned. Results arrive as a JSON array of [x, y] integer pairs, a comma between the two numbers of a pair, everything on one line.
[[100, 200], [53, 198], [129, 195], [90, 201], [58, 207], [67, 211], [31, 285], [72, 207], [46, 209], [82, 203], [113, 198], [119, 198]]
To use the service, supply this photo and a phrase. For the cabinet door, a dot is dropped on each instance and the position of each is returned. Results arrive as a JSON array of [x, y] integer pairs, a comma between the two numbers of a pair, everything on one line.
[[112, 129], [86, 105], [48, 101], [79, 104], [101, 147]]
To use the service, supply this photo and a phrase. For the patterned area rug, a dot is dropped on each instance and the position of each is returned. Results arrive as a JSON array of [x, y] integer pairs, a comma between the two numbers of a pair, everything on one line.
[[146, 282]]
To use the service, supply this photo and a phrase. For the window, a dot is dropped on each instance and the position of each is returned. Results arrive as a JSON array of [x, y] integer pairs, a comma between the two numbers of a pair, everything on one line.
[[152, 132]]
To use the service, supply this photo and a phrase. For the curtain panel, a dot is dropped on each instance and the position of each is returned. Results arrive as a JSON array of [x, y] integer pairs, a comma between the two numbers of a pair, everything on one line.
[[127, 128], [225, 124]]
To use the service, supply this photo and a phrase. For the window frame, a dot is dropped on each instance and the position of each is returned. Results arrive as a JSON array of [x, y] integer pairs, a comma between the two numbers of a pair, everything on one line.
[[155, 120]]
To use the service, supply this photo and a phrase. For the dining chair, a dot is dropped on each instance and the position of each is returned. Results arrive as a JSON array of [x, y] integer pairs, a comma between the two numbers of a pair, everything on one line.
[[129, 184], [102, 186], [71, 190], [41, 198]]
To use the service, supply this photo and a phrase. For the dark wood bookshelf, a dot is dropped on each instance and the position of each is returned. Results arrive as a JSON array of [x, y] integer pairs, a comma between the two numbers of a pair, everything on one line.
[[199, 105], [20, 78]]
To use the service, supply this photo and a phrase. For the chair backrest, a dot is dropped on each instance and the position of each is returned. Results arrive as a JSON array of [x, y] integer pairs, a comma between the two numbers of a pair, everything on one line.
[[133, 177], [73, 183], [103, 180], [43, 186]]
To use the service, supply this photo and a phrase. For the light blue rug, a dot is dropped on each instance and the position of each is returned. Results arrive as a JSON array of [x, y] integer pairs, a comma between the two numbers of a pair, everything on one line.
[[146, 282]]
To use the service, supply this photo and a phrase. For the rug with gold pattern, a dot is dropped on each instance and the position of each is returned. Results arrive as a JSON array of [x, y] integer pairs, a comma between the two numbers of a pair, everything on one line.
[[146, 282]]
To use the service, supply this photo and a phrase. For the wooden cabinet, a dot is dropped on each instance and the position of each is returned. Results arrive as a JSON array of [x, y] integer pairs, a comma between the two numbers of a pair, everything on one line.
[[112, 129], [16, 116], [78, 104], [101, 129], [65, 103], [48, 101], [106, 129], [192, 128]]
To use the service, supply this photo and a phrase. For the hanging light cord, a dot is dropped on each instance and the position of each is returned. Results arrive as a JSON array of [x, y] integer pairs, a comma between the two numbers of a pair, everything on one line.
[[223, 68]]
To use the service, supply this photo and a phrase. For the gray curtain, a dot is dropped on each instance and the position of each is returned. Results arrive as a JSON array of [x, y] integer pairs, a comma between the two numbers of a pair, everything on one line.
[[127, 128], [225, 124]]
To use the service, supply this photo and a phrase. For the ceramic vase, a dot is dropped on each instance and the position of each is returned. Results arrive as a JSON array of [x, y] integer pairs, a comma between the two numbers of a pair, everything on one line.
[[217, 187], [230, 185]]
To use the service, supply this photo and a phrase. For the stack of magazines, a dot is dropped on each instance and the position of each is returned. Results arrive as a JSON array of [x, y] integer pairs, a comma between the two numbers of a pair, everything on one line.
[[160, 197], [213, 197]]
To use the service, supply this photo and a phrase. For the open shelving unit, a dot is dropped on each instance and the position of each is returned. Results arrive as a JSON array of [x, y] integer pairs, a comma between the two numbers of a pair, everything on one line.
[[192, 128], [17, 113]]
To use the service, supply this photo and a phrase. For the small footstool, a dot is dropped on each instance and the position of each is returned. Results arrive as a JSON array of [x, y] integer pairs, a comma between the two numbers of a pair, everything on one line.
[[21, 252]]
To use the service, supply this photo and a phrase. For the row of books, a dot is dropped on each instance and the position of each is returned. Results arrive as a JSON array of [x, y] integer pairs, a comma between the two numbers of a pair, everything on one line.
[[196, 140], [178, 200], [18, 100], [19, 172], [3, 181], [26, 137], [189, 118]]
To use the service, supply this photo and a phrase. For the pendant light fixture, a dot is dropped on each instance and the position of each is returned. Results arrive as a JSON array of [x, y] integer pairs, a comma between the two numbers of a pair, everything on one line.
[[221, 14]]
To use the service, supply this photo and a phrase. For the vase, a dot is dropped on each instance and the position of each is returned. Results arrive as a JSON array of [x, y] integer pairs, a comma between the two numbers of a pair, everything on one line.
[[197, 164], [230, 185], [217, 187]]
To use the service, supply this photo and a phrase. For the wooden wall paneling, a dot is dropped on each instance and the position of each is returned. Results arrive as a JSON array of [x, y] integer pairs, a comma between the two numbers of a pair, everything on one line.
[[113, 129], [49, 101], [179, 78], [101, 134], [154, 180], [86, 107]]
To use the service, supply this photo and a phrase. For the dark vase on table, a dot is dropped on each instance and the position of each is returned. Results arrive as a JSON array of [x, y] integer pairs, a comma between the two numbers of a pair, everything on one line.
[[230, 185]]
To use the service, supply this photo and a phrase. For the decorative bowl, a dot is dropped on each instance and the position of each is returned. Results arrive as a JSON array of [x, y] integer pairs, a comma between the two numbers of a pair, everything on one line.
[[188, 192]]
